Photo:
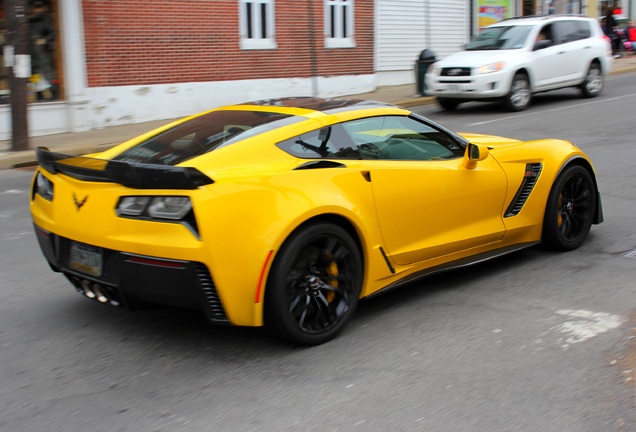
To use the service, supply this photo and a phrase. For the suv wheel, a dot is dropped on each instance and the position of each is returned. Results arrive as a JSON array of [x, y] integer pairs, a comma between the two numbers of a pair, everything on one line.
[[447, 104], [593, 83], [519, 96]]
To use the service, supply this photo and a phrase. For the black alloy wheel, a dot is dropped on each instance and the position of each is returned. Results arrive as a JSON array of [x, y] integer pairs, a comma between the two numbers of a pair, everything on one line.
[[570, 210], [314, 285]]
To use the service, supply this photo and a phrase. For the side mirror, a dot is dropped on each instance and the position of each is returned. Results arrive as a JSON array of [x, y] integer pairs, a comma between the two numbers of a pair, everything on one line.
[[542, 44], [474, 153]]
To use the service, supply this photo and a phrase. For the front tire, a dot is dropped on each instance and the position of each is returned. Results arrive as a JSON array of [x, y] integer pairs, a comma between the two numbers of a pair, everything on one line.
[[594, 81], [447, 104], [314, 285], [570, 209], [520, 95]]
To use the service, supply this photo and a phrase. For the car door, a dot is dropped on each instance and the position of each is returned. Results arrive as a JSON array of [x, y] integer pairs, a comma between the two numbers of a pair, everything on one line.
[[549, 64], [575, 45], [428, 203]]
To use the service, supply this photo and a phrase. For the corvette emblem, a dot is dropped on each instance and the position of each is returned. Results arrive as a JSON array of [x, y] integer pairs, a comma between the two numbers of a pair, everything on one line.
[[79, 203]]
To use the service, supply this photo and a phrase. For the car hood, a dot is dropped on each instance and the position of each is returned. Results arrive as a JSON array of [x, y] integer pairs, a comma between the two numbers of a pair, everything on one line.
[[475, 58], [492, 141]]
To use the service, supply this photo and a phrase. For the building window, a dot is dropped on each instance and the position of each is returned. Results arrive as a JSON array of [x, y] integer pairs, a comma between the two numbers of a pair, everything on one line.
[[257, 24], [339, 24], [45, 82]]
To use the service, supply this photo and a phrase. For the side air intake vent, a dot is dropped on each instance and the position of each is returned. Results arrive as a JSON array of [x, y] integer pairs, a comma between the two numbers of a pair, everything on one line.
[[529, 180], [215, 311]]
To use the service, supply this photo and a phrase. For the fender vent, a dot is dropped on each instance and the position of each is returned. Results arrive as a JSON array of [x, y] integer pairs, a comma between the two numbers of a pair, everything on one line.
[[529, 180]]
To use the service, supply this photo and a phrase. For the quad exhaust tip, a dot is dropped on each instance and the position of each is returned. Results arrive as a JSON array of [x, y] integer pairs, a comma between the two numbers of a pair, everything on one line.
[[96, 291]]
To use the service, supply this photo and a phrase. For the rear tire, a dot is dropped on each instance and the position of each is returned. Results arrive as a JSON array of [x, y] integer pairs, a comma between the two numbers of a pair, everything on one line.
[[520, 95], [570, 209], [594, 81], [314, 285], [448, 104]]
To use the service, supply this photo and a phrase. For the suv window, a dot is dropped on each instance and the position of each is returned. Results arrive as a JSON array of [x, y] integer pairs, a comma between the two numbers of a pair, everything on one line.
[[570, 31], [499, 38]]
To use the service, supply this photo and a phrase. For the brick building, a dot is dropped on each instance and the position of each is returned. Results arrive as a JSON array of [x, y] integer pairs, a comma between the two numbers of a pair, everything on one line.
[[126, 61]]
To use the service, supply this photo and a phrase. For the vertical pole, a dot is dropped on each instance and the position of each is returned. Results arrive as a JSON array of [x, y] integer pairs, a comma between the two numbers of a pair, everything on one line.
[[312, 49], [18, 35]]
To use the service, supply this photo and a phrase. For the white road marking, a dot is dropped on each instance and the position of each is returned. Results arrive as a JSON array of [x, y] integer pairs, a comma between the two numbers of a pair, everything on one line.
[[583, 325], [12, 192], [527, 114]]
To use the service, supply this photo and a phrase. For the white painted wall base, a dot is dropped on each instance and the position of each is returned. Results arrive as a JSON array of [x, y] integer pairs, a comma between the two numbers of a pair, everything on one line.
[[45, 118], [391, 78]]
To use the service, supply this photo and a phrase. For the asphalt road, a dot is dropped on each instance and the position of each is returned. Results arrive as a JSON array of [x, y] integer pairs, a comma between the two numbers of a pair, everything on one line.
[[532, 341]]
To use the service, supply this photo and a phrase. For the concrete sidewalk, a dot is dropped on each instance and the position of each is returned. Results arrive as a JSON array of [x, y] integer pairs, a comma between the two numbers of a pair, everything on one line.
[[77, 143]]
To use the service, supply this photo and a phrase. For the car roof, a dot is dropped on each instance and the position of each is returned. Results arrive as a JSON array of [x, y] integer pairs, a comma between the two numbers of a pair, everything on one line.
[[533, 20], [325, 106]]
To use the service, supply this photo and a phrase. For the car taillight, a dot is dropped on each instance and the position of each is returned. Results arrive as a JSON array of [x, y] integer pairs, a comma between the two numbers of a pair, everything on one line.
[[157, 207], [43, 187]]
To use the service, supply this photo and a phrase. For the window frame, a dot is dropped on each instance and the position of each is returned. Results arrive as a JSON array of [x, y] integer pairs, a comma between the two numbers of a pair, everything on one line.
[[266, 41], [339, 39]]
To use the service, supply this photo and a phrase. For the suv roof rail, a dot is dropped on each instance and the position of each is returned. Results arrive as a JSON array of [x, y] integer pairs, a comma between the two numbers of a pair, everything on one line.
[[547, 16]]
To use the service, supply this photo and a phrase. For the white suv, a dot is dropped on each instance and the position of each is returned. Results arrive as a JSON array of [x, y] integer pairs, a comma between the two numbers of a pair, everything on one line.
[[511, 60]]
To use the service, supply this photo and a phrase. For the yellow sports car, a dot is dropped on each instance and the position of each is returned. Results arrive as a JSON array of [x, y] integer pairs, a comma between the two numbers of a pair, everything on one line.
[[286, 212]]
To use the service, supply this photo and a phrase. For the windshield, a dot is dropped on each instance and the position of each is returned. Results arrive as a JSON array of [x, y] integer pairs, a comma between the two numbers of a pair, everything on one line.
[[499, 38]]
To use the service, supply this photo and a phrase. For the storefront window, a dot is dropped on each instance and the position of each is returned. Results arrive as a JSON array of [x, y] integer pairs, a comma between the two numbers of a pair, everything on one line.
[[45, 83]]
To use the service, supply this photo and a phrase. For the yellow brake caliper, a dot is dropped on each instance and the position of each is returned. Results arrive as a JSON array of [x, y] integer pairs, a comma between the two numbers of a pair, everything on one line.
[[332, 271]]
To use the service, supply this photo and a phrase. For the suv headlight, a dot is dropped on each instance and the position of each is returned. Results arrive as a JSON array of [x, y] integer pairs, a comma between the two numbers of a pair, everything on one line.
[[158, 207], [492, 67]]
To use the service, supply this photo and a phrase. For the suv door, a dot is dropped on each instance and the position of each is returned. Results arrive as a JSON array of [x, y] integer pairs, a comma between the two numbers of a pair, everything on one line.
[[574, 41], [548, 63]]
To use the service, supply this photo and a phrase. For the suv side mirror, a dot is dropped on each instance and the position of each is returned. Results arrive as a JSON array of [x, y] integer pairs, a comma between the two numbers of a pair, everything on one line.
[[542, 44]]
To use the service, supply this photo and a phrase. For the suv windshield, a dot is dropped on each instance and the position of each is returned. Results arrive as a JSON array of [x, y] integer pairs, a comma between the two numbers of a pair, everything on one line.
[[499, 38]]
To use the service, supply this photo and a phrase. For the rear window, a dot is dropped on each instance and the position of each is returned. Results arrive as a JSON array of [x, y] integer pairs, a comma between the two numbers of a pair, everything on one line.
[[203, 135]]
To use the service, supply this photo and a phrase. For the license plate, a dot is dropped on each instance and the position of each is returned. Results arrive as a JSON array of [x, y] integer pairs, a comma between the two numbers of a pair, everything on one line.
[[86, 259], [453, 88]]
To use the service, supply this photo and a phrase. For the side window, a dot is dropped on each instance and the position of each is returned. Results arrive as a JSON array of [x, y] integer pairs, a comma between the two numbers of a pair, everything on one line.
[[546, 33], [570, 31], [257, 24], [326, 143], [583, 29], [339, 24], [401, 138]]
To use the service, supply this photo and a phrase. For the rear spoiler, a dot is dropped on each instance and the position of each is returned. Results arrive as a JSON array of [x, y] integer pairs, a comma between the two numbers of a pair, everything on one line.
[[131, 174]]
